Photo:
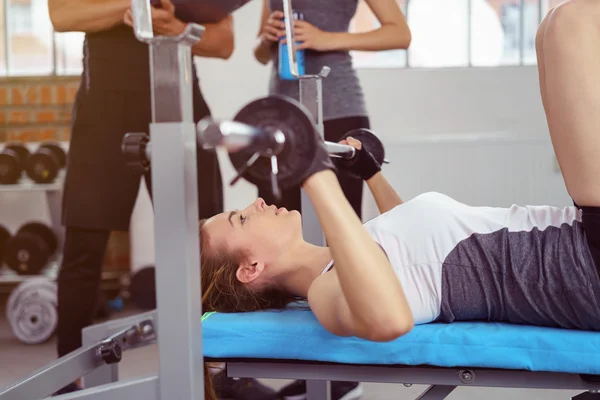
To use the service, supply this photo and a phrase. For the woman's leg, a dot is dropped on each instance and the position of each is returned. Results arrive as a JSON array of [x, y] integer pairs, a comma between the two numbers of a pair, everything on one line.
[[334, 130], [571, 93], [539, 49]]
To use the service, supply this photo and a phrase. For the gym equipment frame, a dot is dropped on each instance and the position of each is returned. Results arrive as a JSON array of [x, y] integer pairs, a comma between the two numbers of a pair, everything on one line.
[[175, 201]]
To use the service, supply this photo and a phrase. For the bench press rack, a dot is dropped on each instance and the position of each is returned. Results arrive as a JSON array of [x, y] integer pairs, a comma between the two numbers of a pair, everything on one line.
[[175, 198], [177, 327]]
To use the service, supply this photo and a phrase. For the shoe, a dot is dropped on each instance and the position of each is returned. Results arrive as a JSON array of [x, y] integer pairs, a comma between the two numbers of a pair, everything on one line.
[[339, 391], [241, 388]]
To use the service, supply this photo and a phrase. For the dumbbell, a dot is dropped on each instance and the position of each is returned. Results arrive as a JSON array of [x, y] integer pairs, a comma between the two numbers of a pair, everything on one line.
[[31, 310], [12, 163], [29, 251], [4, 237], [142, 288], [43, 165]]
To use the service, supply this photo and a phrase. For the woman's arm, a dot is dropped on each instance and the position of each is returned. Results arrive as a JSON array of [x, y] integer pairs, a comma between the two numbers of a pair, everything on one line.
[[364, 166], [393, 33], [86, 15], [384, 194], [370, 303], [267, 34]]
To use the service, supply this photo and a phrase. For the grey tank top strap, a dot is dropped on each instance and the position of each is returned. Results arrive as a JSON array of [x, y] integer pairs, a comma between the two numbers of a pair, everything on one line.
[[342, 93]]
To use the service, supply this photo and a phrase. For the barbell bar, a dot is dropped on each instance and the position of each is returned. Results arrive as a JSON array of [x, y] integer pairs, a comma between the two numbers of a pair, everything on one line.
[[270, 141]]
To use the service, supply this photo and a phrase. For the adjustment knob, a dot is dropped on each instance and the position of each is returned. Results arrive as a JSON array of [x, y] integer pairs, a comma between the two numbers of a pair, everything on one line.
[[134, 148], [111, 352]]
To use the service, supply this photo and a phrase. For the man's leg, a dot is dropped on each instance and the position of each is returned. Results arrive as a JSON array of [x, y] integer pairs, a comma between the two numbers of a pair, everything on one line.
[[78, 283], [568, 46]]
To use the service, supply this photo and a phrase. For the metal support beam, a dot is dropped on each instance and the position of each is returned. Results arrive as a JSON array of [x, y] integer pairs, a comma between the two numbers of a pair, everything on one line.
[[436, 392], [69, 368], [318, 390], [145, 388], [175, 200], [410, 375]]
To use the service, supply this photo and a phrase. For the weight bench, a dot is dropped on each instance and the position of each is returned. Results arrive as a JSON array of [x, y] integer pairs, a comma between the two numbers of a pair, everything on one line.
[[291, 344]]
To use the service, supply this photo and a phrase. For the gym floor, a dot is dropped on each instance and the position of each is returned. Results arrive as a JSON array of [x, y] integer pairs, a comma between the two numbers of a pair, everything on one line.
[[19, 360]]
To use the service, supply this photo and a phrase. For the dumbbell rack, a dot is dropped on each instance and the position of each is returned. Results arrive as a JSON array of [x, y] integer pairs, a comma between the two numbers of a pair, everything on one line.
[[53, 193]]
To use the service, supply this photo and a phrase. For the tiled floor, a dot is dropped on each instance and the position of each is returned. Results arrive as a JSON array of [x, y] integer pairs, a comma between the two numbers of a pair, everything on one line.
[[17, 360]]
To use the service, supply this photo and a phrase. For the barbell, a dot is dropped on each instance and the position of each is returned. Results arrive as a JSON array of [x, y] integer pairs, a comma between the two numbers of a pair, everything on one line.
[[270, 142]]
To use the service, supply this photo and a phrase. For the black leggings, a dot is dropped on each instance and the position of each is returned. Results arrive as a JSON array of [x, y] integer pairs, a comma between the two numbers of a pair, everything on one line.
[[352, 188], [78, 284]]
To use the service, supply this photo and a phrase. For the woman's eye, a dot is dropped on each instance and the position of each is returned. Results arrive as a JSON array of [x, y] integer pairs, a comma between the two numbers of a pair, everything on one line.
[[242, 218]]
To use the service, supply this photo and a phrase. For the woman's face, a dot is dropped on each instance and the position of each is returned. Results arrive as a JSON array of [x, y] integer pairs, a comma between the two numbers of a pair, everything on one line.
[[263, 232]]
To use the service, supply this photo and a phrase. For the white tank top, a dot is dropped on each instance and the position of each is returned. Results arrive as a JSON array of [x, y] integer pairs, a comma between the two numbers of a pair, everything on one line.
[[419, 235]]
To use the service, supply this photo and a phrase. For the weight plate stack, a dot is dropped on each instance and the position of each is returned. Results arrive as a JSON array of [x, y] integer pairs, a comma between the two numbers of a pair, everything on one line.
[[31, 310], [29, 251], [58, 151], [4, 237], [370, 141], [12, 163], [43, 165], [287, 115]]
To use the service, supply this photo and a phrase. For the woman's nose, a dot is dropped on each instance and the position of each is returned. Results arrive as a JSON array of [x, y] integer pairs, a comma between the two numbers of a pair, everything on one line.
[[260, 204]]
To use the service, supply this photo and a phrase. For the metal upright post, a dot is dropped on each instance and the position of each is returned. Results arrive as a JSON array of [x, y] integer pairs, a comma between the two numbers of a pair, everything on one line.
[[175, 199], [311, 96]]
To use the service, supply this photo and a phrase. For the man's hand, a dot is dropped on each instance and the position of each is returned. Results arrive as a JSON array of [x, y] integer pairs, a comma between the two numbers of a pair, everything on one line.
[[164, 21]]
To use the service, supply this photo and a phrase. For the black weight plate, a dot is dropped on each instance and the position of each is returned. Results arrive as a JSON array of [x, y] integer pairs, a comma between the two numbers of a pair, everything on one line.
[[43, 231], [42, 166], [142, 288], [290, 117], [10, 167], [20, 149], [4, 237], [26, 254], [58, 150], [369, 141]]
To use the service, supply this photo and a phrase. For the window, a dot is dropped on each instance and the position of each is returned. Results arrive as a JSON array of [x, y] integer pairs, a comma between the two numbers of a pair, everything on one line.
[[446, 33], [28, 44], [460, 33]]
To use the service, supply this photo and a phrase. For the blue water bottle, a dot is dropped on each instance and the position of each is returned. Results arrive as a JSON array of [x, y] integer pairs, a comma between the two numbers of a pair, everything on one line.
[[284, 65]]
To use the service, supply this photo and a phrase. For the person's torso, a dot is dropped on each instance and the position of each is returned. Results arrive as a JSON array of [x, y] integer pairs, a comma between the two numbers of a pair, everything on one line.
[[115, 59], [342, 92], [516, 264], [115, 96]]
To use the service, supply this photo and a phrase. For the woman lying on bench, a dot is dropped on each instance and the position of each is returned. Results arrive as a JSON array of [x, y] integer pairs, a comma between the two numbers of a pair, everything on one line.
[[433, 258]]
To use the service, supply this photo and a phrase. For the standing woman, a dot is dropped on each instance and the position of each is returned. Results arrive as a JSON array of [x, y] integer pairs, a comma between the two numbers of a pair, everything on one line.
[[323, 35], [114, 98]]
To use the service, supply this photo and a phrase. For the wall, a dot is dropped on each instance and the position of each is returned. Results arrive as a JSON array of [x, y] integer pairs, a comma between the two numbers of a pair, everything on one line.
[[34, 109]]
